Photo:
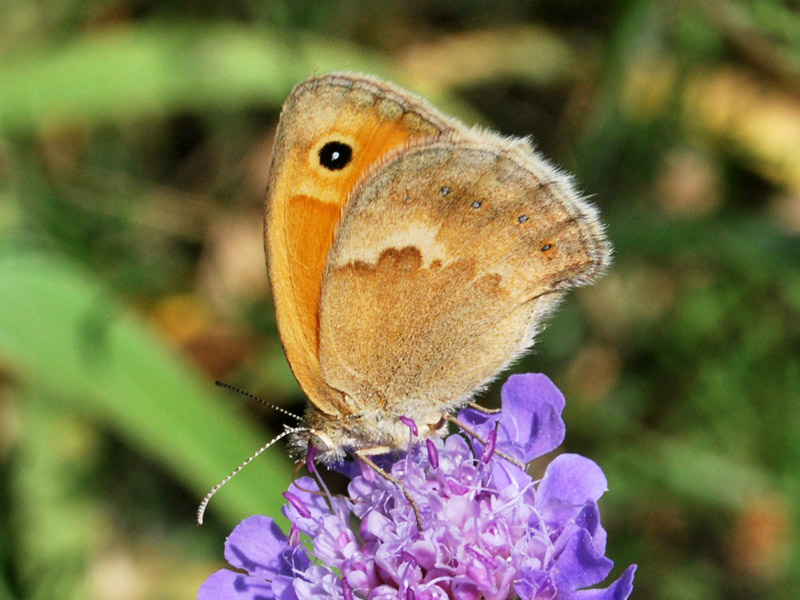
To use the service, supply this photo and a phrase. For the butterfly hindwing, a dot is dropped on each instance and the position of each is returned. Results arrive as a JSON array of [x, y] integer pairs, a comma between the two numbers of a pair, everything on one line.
[[445, 261]]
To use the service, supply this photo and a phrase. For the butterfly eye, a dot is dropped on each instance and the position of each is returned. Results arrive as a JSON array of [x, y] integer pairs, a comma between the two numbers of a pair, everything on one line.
[[335, 155], [318, 442]]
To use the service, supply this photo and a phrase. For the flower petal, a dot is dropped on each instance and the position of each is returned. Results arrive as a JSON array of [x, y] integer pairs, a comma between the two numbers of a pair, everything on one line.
[[306, 491], [256, 545], [619, 590], [589, 519], [505, 473], [532, 405], [227, 585], [569, 482], [283, 587], [580, 564], [530, 423]]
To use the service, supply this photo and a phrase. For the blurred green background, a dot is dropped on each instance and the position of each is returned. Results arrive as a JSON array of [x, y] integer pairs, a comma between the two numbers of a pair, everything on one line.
[[135, 139]]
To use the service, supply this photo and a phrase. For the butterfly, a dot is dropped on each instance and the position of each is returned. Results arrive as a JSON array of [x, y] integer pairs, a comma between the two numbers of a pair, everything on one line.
[[412, 258]]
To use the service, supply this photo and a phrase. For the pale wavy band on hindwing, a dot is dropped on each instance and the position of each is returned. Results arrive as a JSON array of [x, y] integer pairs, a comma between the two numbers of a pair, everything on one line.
[[447, 257]]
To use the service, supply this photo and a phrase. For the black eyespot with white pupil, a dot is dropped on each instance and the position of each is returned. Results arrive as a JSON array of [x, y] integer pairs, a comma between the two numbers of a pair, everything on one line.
[[335, 156]]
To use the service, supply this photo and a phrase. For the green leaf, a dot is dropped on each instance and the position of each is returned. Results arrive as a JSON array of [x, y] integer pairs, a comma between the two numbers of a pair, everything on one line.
[[64, 334], [161, 68]]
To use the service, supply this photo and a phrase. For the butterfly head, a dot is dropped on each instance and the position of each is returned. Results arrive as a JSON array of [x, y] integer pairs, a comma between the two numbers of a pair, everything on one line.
[[334, 437]]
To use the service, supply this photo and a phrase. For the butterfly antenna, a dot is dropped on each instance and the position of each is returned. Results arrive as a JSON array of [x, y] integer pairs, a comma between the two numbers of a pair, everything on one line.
[[257, 399], [202, 508]]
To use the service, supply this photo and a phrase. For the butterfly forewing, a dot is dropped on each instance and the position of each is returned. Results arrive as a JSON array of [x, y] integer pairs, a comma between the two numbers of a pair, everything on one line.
[[332, 130]]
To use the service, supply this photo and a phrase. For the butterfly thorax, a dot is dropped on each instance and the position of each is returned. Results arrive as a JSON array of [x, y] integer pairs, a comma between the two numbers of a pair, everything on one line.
[[375, 431]]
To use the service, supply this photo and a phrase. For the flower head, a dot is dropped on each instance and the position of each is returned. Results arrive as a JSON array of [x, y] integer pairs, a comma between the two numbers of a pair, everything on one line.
[[490, 531]]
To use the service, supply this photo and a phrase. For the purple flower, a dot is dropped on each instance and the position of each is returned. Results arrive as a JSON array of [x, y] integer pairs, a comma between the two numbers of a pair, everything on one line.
[[490, 531]]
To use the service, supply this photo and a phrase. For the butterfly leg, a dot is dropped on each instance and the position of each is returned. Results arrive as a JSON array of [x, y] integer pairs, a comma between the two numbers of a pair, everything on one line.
[[364, 455], [483, 409], [478, 437]]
